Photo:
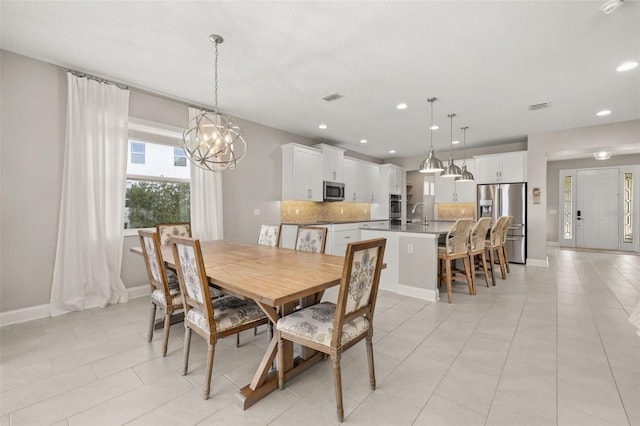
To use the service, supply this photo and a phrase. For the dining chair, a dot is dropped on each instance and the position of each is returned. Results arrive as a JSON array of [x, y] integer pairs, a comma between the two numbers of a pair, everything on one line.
[[270, 235], [311, 238], [333, 328], [455, 247], [505, 233], [164, 292], [494, 245], [168, 230], [210, 318], [477, 239]]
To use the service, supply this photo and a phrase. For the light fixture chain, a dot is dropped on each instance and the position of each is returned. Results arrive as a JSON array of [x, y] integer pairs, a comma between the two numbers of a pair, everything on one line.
[[464, 142], [216, 80]]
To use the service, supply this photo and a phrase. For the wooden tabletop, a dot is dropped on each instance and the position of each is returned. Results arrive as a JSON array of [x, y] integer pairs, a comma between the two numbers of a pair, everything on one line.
[[270, 275]]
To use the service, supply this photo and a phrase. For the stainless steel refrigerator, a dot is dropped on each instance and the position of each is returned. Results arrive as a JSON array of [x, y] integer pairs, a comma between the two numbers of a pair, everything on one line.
[[507, 199]]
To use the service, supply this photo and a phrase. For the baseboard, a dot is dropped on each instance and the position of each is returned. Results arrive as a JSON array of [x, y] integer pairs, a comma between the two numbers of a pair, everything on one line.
[[418, 293], [543, 263], [31, 313], [553, 243]]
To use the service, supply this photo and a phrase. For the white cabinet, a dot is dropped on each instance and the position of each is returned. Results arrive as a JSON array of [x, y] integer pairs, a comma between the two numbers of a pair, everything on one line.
[[448, 190], [301, 173], [371, 183], [345, 233], [396, 179], [332, 163], [361, 181], [507, 167]]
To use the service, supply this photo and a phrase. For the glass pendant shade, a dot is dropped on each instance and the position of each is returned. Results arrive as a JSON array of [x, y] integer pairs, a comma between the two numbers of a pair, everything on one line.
[[214, 143], [431, 164]]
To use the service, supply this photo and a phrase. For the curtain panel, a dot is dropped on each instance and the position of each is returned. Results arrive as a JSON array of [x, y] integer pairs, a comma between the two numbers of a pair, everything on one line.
[[91, 225], [206, 200]]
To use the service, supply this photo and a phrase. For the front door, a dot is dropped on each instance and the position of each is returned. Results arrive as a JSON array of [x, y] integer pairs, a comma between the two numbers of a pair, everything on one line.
[[597, 209]]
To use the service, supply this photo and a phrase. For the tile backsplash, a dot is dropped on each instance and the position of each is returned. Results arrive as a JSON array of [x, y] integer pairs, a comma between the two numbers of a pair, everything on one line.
[[309, 211], [453, 211]]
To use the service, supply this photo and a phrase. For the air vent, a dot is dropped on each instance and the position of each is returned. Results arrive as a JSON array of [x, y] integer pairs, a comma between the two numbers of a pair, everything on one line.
[[333, 97], [539, 105]]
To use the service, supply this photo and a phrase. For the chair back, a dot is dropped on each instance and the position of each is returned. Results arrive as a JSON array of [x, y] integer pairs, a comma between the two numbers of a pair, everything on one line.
[[505, 229], [269, 235], [478, 234], [456, 241], [495, 236], [156, 271], [168, 230], [194, 285], [311, 238], [359, 283]]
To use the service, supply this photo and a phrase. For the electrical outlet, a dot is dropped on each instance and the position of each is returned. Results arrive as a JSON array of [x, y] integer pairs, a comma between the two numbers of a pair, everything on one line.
[[341, 211], [297, 211], [256, 212], [365, 210], [410, 248]]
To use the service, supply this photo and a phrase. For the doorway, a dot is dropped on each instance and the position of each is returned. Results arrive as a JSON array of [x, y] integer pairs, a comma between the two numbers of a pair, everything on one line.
[[597, 209]]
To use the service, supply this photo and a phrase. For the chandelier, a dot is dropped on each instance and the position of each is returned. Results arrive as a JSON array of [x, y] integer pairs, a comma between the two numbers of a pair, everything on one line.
[[431, 164], [213, 141]]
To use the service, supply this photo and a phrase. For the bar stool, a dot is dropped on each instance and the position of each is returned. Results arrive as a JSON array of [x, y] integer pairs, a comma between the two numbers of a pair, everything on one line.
[[494, 244], [505, 232], [477, 239], [456, 247]]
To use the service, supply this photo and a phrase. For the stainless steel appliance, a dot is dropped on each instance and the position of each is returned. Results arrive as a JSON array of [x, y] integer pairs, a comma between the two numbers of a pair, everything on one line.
[[395, 209], [333, 191], [508, 199]]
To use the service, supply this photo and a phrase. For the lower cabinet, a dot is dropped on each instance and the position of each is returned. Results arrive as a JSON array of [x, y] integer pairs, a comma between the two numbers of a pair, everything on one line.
[[338, 235]]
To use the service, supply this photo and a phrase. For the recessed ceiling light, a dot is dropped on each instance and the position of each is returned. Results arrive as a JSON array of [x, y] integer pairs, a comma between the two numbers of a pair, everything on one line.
[[602, 155], [434, 127], [393, 151], [455, 142], [402, 106], [603, 113], [363, 141], [610, 6], [627, 66], [322, 126]]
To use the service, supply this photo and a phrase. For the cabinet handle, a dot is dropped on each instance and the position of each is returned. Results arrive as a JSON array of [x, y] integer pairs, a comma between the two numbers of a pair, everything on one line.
[[334, 175], [347, 237]]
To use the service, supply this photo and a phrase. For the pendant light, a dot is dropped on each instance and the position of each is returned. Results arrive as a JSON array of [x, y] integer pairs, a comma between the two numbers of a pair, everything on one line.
[[467, 176], [213, 141], [431, 164], [451, 170]]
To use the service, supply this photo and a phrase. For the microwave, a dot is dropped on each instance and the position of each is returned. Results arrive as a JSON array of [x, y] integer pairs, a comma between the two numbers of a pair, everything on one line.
[[333, 191]]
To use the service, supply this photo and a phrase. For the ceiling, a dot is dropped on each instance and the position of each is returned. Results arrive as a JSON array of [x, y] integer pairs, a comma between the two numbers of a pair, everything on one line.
[[486, 61]]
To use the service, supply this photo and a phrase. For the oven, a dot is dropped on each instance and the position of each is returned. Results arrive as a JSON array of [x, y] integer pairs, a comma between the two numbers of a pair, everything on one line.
[[395, 209]]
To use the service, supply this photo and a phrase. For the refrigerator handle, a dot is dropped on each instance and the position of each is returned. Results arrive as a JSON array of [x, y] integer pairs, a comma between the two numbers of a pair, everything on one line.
[[498, 211]]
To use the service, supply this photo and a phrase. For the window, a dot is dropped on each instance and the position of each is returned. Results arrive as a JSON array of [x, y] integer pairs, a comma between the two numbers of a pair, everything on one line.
[[157, 191], [179, 157], [137, 152], [627, 210]]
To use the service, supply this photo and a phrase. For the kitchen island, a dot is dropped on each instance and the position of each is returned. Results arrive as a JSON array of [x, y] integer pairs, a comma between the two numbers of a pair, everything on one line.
[[411, 256]]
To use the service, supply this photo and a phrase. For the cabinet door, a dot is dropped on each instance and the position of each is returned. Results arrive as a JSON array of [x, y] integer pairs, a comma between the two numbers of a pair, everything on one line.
[[465, 192], [332, 166], [513, 166], [300, 171], [371, 183], [396, 179], [444, 189], [314, 176], [350, 181], [488, 170]]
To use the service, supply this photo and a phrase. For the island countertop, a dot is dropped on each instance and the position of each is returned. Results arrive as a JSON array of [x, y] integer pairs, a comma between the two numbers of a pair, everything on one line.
[[438, 228]]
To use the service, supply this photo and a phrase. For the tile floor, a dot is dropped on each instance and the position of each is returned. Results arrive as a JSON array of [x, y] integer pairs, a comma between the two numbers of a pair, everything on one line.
[[545, 347]]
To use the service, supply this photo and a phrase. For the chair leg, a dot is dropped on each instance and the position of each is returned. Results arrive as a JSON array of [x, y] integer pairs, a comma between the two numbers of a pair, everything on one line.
[[448, 278], [207, 377], [337, 378], [167, 325], [187, 346], [506, 258], [492, 264], [484, 266], [472, 264], [280, 360], [465, 261], [372, 371], [237, 340], [152, 322], [503, 270]]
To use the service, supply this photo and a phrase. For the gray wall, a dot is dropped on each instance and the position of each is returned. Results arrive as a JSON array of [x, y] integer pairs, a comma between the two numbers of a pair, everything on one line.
[[553, 185], [33, 118]]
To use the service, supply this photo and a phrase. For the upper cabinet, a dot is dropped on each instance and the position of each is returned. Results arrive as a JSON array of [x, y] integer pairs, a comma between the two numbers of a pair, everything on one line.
[[448, 190], [361, 181], [332, 163], [391, 179], [301, 173], [498, 168]]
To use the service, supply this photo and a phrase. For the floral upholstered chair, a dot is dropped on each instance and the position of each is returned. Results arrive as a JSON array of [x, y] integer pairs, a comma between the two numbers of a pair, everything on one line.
[[164, 292], [168, 230], [269, 235], [333, 328], [456, 247], [211, 319], [494, 245], [311, 238]]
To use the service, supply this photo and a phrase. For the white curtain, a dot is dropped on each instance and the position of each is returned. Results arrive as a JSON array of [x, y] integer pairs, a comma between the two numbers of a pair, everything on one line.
[[91, 227], [206, 200]]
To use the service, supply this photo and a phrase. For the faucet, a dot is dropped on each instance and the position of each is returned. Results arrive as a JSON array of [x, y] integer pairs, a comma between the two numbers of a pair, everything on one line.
[[424, 210]]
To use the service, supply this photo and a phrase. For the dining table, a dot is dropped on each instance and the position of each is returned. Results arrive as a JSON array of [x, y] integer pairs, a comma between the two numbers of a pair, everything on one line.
[[278, 280]]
